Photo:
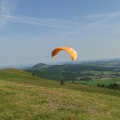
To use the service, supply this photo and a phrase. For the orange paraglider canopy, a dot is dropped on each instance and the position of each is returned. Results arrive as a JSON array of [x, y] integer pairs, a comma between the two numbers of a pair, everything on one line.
[[70, 51]]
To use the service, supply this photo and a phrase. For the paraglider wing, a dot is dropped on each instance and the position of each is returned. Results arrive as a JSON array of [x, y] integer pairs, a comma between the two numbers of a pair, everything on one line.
[[70, 51]]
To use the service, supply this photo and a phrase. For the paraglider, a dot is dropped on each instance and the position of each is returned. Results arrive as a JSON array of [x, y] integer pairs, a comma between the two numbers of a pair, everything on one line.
[[70, 51]]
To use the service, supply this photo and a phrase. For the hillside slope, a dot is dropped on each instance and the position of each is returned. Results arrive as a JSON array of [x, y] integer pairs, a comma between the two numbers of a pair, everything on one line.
[[26, 97]]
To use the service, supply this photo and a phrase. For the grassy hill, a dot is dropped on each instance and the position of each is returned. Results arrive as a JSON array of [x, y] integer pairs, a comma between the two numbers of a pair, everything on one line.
[[24, 96]]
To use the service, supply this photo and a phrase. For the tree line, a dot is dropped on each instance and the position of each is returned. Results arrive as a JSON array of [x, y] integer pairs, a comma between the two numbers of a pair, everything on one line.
[[113, 86]]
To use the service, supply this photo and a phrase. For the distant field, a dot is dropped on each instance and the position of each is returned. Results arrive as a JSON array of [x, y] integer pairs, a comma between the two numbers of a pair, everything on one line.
[[26, 97], [101, 81], [99, 72], [104, 81]]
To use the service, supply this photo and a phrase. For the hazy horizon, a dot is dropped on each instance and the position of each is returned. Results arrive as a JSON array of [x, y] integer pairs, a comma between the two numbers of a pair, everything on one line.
[[27, 65]]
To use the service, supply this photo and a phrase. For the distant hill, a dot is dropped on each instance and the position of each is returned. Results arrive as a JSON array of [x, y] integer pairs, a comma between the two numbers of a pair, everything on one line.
[[39, 65]]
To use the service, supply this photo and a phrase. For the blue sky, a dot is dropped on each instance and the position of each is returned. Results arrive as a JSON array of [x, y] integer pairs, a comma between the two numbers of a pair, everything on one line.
[[31, 29]]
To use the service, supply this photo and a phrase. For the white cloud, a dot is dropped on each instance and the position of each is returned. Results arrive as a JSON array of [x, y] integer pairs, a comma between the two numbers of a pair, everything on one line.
[[98, 23], [6, 8], [84, 23], [55, 23], [102, 18]]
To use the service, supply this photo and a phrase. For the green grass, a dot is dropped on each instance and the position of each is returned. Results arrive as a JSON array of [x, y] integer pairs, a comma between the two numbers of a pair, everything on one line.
[[101, 81], [26, 97], [104, 81]]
